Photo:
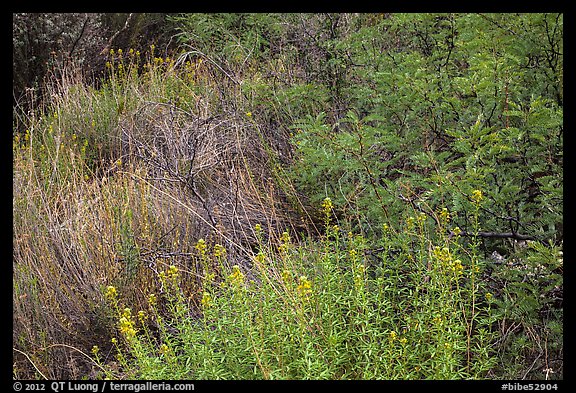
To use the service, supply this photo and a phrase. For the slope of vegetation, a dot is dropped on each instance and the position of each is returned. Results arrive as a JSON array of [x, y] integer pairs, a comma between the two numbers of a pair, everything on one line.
[[291, 196]]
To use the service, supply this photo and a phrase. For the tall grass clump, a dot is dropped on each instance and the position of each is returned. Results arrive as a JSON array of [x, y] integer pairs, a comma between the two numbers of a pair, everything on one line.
[[115, 184], [316, 310]]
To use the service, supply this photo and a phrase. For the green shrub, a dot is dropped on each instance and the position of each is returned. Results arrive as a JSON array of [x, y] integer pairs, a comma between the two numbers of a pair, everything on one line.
[[314, 310]]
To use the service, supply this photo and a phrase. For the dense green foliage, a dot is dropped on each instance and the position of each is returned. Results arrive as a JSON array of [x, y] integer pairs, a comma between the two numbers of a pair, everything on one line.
[[322, 310], [447, 116], [297, 196]]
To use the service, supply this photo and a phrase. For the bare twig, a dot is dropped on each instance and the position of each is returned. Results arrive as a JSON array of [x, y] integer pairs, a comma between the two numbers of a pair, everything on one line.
[[126, 24], [497, 235], [183, 57], [80, 35], [31, 362]]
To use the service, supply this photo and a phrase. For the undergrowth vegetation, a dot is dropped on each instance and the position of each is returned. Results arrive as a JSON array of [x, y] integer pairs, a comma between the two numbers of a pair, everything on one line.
[[297, 196], [316, 310]]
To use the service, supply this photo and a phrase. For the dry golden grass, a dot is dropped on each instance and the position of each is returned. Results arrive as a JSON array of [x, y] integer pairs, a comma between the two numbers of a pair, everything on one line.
[[117, 184]]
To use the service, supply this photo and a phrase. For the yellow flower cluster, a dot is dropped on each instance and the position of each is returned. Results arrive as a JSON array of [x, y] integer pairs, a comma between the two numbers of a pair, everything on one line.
[[164, 349], [304, 287], [437, 320], [111, 292], [444, 215], [219, 251], [444, 256], [477, 196], [126, 324], [457, 267], [201, 246], [236, 278], [421, 217], [327, 205], [152, 300], [285, 238], [284, 243], [410, 222], [286, 276], [171, 274], [206, 300], [260, 257]]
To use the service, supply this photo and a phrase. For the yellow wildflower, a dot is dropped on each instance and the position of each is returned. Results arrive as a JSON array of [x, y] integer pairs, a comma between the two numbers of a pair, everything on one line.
[[127, 313], [201, 246], [477, 196], [410, 222], [444, 215], [359, 276], [327, 205], [286, 276], [110, 292], [236, 278], [152, 299], [285, 238], [304, 287], [260, 257], [219, 250], [421, 217], [126, 326], [206, 300], [457, 267]]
